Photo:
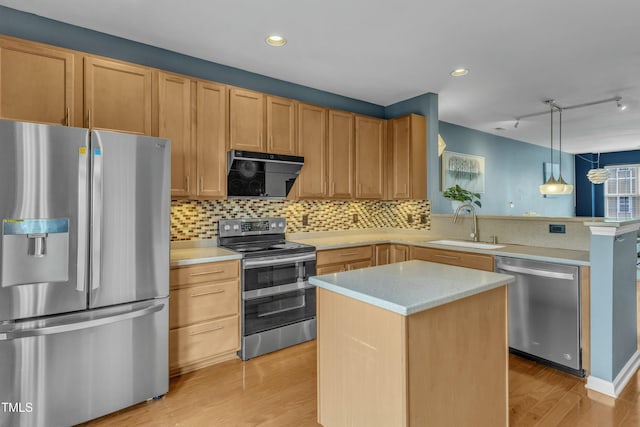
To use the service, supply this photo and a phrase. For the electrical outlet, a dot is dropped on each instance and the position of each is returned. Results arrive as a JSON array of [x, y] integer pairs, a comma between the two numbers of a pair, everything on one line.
[[355, 218], [557, 228], [409, 218], [423, 219], [305, 219]]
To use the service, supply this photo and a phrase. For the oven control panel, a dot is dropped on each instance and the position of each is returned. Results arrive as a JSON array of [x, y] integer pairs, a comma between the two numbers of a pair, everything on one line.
[[251, 226]]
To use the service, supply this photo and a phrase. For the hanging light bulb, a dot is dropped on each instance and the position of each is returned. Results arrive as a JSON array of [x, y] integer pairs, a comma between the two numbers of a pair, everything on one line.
[[598, 175], [555, 186]]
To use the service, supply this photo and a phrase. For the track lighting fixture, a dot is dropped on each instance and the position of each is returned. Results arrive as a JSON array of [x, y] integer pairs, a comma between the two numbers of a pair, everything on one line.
[[616, 99]]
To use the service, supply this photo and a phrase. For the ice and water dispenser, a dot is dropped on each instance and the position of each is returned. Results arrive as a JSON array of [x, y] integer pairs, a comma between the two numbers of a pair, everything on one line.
[[35, 251]]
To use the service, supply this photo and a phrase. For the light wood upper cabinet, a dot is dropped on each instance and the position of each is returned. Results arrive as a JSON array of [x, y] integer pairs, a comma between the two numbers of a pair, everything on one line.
[[117, 96], [340, 161], [211, 131], [312, 143], [407, 141], [246, 120], [369, 157], [37, 83], [281, 125], [192, 114], [175, 120]]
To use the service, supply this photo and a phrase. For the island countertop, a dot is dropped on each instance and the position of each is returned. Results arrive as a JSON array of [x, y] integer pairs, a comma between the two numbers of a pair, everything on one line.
[[410, 287]]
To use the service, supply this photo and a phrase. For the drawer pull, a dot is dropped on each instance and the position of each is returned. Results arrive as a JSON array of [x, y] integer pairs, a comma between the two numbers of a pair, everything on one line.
[[204, 273], [447, 256], [206, 331], [217, 291]]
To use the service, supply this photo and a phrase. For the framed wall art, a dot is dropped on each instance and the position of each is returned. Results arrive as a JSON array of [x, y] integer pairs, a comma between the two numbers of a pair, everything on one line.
[[463, 169]]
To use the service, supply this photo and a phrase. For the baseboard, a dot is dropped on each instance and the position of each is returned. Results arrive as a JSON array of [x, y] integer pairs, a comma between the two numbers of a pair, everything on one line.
[[614, 388]]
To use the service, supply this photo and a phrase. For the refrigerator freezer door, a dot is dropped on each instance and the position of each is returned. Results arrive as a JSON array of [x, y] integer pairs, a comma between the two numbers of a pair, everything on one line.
[[43, 219], [68, 369], [130, 218]]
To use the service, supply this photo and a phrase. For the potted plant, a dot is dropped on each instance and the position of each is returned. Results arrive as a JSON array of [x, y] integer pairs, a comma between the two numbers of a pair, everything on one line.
[[459, 195]]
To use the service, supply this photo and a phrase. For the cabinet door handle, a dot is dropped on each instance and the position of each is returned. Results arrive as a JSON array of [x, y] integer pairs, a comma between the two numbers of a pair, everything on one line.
[[89, 122], [447, 257], [201, 184], [217, 291], [187, 179], [67, 119], [204, 273], [206, 331]]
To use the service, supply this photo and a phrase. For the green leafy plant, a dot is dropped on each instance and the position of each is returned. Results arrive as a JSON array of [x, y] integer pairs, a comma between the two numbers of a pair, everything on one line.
[[461, 195]]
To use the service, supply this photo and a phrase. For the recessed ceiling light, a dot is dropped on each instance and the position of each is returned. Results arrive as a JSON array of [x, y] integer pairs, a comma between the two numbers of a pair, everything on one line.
[[459, 72], [276, 41]]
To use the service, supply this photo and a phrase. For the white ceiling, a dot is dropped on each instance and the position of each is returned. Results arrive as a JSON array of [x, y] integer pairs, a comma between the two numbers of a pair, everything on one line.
[[519, 53]]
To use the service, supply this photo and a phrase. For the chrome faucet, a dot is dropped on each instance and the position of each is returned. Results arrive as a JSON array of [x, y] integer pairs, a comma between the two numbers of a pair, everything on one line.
[[474, 234]]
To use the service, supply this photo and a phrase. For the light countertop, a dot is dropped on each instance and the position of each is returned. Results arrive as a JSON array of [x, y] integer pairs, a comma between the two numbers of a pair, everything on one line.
[[565, 256], [187, 253], [200, 251], [412, 286]]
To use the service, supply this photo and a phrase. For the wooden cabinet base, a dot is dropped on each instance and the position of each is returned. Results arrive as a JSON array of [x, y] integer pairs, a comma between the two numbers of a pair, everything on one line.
[[203, 363], [444, 366]]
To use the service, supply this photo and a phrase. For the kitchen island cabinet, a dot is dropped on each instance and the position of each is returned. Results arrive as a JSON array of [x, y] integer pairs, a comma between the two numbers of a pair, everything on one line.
[[412, 344]]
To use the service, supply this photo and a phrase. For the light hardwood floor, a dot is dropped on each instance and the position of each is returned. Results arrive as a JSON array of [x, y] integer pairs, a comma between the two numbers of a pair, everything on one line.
[[279, 389]]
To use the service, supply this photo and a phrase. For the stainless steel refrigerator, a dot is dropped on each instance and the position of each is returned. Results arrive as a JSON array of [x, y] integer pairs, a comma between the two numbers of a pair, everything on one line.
[[84, 272]]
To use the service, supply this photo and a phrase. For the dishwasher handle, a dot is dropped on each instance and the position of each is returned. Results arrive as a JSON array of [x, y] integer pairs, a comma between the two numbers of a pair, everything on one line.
[[536, 272]]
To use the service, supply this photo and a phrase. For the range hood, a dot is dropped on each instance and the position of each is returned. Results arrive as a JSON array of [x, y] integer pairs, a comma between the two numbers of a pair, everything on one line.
[[253, 175]]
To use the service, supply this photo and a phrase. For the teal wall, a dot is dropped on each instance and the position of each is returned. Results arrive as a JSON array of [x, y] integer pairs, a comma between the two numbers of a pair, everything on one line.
[[513, 173], [32, 27], [613, 303]]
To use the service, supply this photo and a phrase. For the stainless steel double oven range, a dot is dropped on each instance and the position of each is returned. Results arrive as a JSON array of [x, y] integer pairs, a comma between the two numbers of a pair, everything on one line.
[[278, 303]]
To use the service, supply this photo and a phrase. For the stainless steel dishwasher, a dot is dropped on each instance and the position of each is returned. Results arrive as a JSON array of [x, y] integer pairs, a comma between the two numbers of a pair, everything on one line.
[[544, 312]]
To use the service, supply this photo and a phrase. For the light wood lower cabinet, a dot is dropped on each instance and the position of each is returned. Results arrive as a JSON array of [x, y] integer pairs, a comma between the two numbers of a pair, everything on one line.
[[204, 320], [383, 255], [344, 259], [398, 253], [461, 259], [389, 253]]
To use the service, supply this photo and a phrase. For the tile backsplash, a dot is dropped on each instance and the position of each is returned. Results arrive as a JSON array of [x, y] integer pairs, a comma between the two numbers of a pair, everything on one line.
[[198, 219]]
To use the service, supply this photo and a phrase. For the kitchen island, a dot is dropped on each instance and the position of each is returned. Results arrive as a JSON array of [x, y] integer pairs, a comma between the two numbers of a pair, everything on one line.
[[412, 344]]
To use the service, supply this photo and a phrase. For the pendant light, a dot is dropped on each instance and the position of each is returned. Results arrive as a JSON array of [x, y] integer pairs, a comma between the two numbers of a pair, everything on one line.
[[553, 186], [598, 175], [565, 188]]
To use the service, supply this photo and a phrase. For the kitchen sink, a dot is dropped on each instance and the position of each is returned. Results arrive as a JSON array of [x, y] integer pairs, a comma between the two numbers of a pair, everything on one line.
[[476, 245]]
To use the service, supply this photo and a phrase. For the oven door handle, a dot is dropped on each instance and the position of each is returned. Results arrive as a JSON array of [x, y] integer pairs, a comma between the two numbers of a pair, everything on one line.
[[300, 303], [261, 262], [276, 290]]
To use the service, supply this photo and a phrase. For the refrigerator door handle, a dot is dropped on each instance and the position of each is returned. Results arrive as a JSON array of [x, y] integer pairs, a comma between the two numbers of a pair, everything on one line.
[[83, 207], [96, 207], [76, 326]]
